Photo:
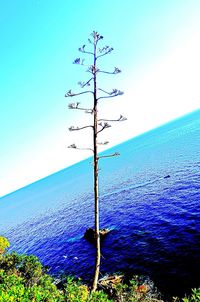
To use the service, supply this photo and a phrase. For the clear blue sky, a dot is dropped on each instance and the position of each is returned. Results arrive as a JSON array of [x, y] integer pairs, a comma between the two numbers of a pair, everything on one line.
[[156, 44]]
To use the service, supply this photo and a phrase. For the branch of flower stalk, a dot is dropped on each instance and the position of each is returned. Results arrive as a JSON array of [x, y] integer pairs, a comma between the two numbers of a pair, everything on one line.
[[73, 146], [104, 126], [120, 119], [110, 155], [72, 128], [71, 94], [76, 106]]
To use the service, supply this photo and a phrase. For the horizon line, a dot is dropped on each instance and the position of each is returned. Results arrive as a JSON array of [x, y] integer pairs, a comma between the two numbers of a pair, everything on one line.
[[86, 159]]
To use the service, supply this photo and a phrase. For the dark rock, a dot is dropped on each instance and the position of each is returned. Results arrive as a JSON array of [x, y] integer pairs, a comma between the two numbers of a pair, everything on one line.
[[90, 234]]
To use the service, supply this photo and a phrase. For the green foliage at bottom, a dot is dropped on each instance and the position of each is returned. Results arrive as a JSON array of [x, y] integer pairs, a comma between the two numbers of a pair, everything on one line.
[[194, 297], [24, 279], [13, 289], [74, 291]]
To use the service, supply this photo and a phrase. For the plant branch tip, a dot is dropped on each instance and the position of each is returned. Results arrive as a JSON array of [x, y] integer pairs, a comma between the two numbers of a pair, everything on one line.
[[120, 119], [114, 92], [103, 143], [110, 155], [69, 93], [72, 128]]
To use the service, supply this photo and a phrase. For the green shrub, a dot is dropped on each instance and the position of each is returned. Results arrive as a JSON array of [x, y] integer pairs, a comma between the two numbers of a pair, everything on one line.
[[75, 291], [4, 244], [10, 262], [28, 267], [24, 279], [13, 289], [99, 296], [194, 297]]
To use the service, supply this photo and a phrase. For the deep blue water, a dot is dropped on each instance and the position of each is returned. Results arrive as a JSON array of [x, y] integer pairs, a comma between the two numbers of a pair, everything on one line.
[[155, 221]]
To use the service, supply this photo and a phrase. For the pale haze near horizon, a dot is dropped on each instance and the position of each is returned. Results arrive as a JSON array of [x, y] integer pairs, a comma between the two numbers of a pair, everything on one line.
[[157, 46]]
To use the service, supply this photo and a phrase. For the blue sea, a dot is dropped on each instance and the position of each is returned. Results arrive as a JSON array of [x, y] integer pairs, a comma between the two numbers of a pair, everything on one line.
[[149, 198]]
